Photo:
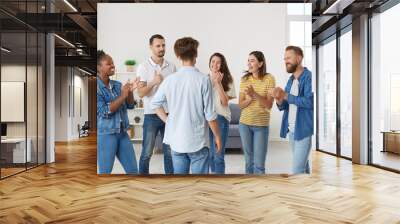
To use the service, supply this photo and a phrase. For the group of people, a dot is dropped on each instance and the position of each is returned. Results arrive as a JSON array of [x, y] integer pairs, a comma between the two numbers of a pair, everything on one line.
[[190, 110]]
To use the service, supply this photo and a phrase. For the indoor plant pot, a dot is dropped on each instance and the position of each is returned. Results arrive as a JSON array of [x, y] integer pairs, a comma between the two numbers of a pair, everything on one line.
[[130, 65]]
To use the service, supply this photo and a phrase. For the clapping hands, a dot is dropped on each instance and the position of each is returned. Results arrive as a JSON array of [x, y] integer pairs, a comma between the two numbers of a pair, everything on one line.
[[278, 93], [130, 86], [250, 91], [134, 84]]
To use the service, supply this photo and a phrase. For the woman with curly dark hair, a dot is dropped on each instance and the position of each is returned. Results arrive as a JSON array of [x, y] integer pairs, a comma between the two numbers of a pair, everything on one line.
[[113, 101]]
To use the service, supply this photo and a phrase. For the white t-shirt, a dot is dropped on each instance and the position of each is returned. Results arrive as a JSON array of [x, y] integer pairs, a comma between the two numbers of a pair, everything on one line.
[[294, 90], [220, 109], [146, 72]]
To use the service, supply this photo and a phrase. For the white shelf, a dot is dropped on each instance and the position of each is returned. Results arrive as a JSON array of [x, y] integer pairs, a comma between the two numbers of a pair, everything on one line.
[[136, 124], [136, 139]]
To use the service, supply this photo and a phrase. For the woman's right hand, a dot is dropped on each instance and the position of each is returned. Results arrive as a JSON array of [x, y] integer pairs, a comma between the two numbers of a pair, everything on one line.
[[248, 100], [250, 92], [216, 77]]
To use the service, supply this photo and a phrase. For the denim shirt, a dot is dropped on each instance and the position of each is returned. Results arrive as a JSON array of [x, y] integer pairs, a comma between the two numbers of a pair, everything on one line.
[[304, 125], [110, 122]]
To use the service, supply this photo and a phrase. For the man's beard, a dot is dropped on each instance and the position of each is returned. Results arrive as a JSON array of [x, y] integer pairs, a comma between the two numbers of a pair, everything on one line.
[[290, 68], [161, 54]]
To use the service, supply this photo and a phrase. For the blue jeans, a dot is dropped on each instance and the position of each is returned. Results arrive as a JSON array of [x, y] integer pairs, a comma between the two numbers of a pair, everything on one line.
[[111, 145], [255, 146], [152, 125], [196, 161], [301, 151], [217, 160]]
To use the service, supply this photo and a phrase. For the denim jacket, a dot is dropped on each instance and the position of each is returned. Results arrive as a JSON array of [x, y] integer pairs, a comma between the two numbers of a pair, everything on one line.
[[304, 124], [108, 122]]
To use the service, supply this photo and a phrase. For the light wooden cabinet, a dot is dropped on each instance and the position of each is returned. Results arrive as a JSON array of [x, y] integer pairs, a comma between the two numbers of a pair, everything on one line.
[[391, 142]]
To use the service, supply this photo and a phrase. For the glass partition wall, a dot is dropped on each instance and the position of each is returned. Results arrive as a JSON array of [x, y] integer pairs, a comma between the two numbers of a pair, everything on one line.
[[327, 96], [346, 95], [22, 77], [334, 94], [385, 90], [334, 109]]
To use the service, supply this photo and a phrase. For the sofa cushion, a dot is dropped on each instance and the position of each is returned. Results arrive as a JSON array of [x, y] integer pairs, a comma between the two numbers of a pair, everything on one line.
[[235, 113], [233, 130]]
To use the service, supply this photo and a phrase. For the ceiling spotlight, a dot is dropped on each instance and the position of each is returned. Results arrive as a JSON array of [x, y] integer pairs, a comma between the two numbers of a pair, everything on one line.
[[70, 5], [84, 71], [337, 7], [5, 50], [64, 40]]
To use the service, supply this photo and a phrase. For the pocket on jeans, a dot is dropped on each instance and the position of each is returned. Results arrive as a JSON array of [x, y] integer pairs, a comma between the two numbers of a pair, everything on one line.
[[175, 153]]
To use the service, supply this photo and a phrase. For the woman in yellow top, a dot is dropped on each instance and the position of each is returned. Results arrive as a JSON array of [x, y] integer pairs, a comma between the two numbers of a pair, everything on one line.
[[256, 105]]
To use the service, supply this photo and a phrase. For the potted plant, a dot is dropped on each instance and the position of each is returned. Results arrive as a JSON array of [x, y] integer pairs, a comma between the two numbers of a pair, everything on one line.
[[130, 65]]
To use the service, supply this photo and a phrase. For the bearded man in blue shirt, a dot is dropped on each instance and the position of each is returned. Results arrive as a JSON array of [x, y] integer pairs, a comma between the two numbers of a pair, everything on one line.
[[297, 102]]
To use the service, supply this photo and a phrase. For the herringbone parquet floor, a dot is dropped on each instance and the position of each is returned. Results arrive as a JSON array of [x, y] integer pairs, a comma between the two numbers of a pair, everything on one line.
[[69, 191]]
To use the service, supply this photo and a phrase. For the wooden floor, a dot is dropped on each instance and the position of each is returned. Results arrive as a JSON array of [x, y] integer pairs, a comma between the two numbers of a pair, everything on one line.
[[69, 191], [5, 172], [387, 159]]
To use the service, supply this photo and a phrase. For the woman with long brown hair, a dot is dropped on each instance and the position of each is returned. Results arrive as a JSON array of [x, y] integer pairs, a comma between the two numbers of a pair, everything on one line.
[[256, 105], [223, 91]]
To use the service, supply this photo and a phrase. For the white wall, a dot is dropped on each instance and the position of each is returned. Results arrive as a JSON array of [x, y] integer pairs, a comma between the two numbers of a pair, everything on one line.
[[232, 29], [33, 126], [61, 103], [80, 83], [67, 81], [17, 73]]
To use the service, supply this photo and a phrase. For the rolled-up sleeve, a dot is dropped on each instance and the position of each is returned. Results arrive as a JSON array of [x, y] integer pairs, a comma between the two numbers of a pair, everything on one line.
[[208, 101], [283, 106], [160, 97]]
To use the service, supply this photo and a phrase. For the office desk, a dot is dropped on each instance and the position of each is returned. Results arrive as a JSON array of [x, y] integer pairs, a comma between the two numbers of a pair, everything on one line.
[[13, 150], [391, 141]]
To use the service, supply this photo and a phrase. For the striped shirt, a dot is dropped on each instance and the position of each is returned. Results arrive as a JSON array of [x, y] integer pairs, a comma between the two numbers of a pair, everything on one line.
[[255, 114]]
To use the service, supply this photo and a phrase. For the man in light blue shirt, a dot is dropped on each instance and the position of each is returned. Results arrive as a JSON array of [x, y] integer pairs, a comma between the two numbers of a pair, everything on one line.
[[188, 94]]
